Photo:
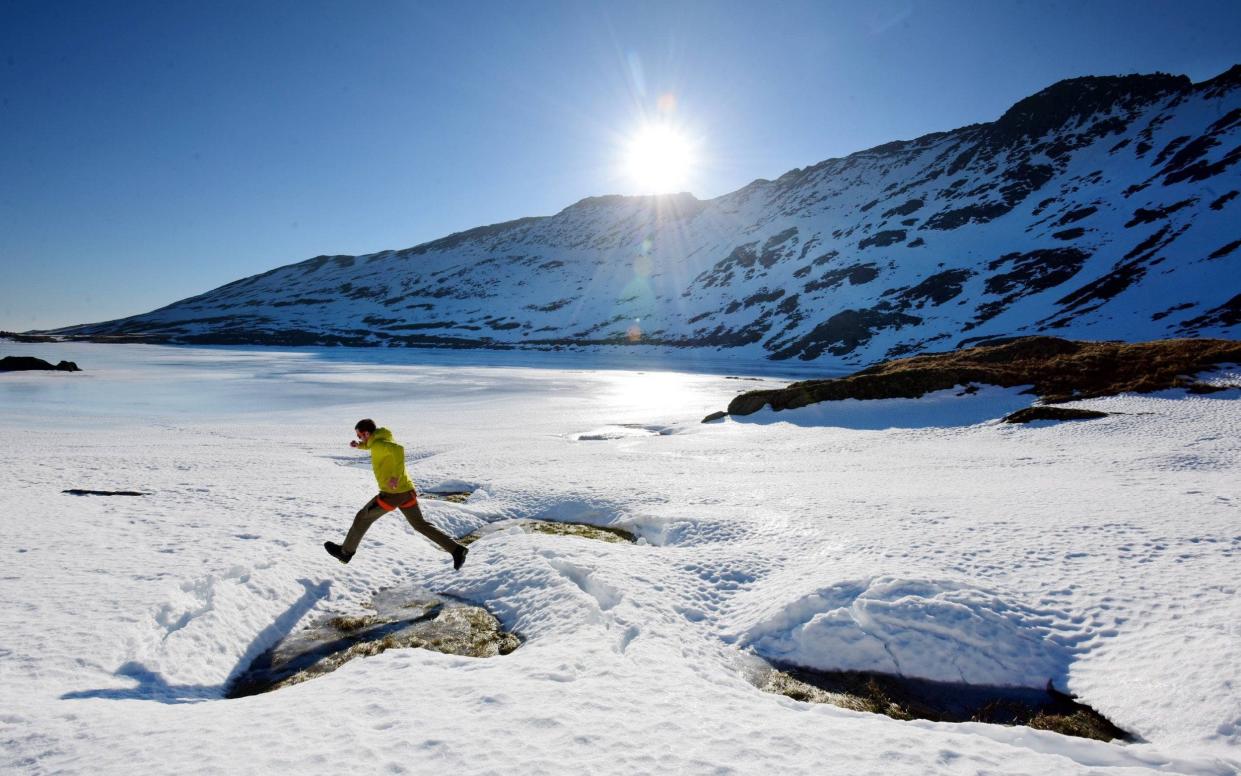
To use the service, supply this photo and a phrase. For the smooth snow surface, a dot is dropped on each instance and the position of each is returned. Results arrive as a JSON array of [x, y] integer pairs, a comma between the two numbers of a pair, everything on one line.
[[1101, 555]]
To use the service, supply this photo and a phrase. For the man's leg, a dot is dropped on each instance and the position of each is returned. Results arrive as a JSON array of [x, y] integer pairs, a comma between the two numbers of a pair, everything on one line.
[[414, 515], [361, 522]]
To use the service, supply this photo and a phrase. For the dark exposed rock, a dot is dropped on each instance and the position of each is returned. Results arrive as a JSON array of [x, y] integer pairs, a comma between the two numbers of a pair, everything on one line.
[[1078, 98], [1040, 412], [452, 496], [79, 492], [1227, 314], [1172, 145], [857, 274], [602, 533], [27, 363], [763, 297], [1144, 216], [789, 306], [952, 219], [883, 239], [401, 619], [1076, 215], [305, 301], [1223, 251], [844, 332], [1122, 275], [774, 248], [905, 209], [1224, 199], [905, 698], [1159, 316], [499, 325], [1199, 169], [742, 256], [714, 416], [936, 289], [1029, 273]]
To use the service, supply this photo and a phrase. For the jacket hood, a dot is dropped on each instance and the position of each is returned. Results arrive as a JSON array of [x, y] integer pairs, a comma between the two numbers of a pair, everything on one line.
[[381, 435]]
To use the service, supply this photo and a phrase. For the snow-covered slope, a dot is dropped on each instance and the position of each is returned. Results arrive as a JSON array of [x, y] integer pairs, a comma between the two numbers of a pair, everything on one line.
[[1098, 208]]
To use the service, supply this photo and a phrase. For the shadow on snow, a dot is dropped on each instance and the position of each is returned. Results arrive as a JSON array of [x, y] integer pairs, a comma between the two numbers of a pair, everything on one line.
[[153, 687]]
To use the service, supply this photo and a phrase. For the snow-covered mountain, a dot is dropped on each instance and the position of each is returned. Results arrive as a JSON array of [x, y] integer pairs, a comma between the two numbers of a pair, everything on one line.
[[1099, 208]]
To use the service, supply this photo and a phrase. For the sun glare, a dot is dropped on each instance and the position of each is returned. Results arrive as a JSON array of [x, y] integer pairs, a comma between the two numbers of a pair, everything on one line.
[[659, 159]]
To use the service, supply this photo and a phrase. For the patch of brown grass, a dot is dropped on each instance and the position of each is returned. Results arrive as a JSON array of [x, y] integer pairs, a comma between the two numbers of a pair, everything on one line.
[[1057, 370]]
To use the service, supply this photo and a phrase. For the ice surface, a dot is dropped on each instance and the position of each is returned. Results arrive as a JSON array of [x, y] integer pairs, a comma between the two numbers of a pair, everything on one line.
[[1100, 555]]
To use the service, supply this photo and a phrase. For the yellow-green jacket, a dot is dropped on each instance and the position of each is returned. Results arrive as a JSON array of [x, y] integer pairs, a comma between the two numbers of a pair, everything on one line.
[[388, 460]]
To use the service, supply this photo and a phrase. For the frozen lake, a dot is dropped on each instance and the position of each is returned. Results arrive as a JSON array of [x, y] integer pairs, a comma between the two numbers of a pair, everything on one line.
[[918, 538]]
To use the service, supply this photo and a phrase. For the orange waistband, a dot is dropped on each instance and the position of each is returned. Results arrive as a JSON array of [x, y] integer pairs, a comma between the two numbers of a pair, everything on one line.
[[412, 501]]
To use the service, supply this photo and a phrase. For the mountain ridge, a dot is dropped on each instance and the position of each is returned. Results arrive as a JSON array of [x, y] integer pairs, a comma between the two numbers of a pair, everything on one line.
[[1137, 182]]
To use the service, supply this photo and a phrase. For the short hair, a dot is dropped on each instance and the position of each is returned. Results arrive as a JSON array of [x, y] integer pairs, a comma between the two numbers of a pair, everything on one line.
[[365, 424]]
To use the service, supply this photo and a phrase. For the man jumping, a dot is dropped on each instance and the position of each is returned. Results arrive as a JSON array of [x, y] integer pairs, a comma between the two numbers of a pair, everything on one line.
[[395, 492]]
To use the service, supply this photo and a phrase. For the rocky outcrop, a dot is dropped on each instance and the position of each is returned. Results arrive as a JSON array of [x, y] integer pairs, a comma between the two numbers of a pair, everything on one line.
[[1031, 414], [1057, 370], [400, 619], [905, 698], [26, 363]]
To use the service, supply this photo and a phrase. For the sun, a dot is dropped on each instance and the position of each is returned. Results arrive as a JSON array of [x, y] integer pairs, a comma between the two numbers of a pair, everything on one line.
[[659, 159]]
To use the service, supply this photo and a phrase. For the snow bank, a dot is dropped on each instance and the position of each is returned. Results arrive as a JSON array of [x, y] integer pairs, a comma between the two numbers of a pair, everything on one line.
[[938, 630], [959, 406]]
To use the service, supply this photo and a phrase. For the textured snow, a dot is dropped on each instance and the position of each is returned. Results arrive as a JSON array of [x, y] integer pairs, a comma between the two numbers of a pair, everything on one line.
[[1100, 555]]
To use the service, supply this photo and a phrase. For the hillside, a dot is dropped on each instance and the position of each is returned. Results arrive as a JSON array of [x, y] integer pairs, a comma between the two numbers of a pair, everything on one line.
[[1099, 208]]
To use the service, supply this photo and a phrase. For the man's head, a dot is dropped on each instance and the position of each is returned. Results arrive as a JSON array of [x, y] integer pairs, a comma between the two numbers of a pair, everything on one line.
[[364, 428]]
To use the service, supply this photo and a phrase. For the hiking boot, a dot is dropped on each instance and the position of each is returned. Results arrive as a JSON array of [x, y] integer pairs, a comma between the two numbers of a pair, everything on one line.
[[336, 552], [458, 557]]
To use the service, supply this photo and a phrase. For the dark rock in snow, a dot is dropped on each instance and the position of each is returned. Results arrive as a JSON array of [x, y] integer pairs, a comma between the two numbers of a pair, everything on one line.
[[401, 619], [1039, 412], [602, 533], [1227, 314], [883, 239], [27, 363], [78, 492], [906, 698]]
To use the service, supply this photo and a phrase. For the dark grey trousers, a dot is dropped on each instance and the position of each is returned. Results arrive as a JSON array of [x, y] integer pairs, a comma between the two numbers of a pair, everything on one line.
[[373, 511]]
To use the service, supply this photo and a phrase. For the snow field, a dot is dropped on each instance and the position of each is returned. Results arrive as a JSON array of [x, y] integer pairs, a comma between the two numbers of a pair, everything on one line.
[[1099, 554]]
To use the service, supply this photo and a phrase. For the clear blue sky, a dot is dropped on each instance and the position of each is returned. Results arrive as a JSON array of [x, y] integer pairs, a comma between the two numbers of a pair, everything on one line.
[[150, 151]]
